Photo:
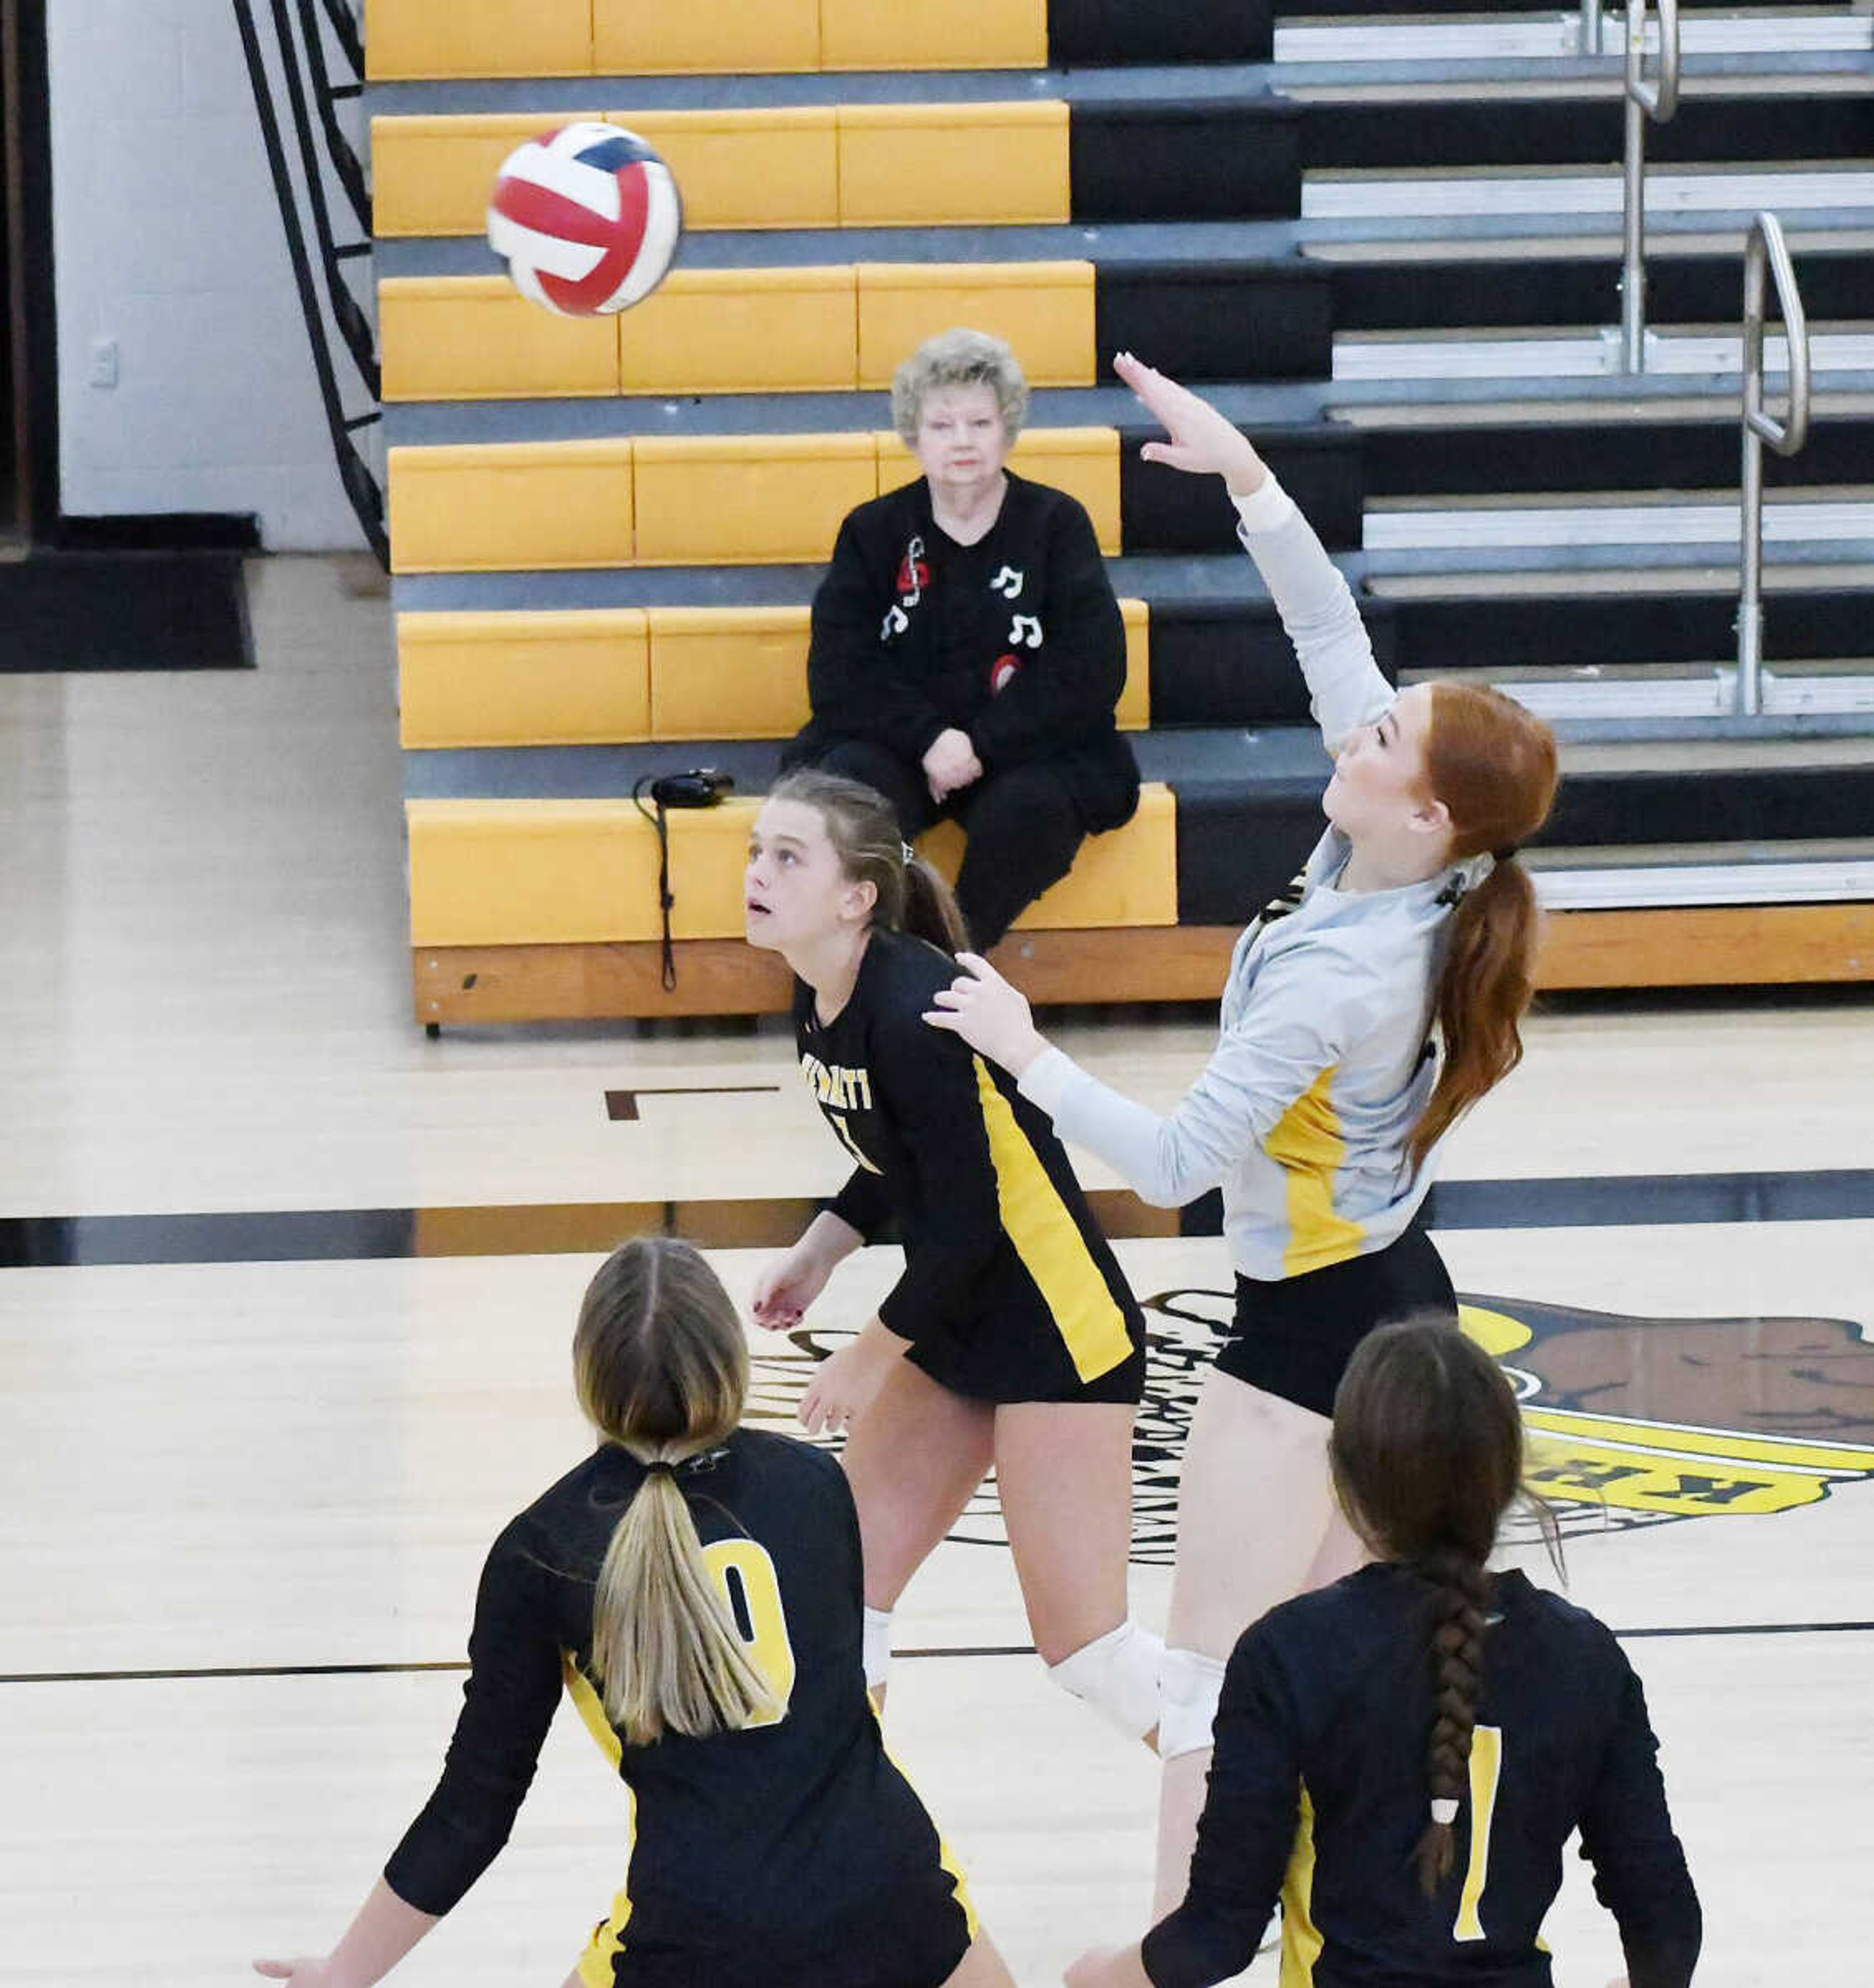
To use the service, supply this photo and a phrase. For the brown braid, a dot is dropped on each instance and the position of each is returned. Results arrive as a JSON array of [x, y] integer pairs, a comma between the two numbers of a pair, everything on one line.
[[1457, 1676]]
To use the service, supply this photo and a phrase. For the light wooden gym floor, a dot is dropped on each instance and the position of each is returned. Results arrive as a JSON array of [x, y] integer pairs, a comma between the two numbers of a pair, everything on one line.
[[248, 1498]]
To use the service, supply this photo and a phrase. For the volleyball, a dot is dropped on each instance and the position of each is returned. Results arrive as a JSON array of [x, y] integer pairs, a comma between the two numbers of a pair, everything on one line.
[[587, 218]]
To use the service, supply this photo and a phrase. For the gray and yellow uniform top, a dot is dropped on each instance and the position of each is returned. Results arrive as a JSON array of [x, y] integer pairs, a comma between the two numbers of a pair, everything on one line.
[[1010, 1293], [792, 1852], [1325, 1063]]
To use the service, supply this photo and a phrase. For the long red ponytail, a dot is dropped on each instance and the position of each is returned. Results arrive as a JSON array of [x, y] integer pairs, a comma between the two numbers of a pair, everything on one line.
[[1493, 764]]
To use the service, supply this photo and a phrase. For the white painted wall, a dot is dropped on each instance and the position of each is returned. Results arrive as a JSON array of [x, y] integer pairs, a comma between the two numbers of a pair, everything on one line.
[[168, 241]]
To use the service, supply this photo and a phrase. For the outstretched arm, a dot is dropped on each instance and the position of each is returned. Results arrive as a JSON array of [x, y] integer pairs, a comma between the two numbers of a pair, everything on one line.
[[383, 1932], [1305, 1009], [1346, 688]]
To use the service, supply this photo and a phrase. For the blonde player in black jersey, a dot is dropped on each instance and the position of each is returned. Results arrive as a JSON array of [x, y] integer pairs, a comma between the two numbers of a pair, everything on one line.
[[1011, 1338], [697, 1585], [1414, 1745]]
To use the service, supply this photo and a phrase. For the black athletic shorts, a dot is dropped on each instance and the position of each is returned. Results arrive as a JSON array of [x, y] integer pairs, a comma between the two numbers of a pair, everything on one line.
[[918, 1941], [1017, 1353], [1294, 1337]]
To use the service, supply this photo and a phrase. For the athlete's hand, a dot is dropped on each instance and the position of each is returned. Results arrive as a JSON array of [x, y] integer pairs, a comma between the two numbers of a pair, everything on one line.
[[992, 1016], [1108, 1967], [787, 1286], [307, 1972], [1202, 441], [845, 1386], [951, 764]]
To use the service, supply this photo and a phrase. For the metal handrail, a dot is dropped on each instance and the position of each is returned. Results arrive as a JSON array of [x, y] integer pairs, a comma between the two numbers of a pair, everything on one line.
[[359, 482], [1656, 102], [1587, 40], [1764, 252]]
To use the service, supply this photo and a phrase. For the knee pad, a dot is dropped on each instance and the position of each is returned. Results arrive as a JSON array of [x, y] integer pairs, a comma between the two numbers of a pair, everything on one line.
[[875, 1642], [1118, 1674], [1191, 1684]]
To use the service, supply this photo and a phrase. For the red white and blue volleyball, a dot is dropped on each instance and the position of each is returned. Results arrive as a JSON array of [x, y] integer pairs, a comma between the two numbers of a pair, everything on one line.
[[587, 218]]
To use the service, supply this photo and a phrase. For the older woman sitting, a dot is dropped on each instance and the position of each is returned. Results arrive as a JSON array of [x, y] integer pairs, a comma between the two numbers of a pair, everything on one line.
[[967, 650]]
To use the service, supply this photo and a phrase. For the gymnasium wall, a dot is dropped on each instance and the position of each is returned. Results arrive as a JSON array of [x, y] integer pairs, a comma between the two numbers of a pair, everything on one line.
[[167, 239]]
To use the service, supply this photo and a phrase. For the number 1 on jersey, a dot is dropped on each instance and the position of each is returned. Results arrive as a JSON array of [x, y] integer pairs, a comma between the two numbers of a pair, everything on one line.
[[1486, 1769]]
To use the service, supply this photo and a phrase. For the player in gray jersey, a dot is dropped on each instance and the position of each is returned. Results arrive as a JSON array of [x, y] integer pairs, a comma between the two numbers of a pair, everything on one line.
[[1362, 1015]]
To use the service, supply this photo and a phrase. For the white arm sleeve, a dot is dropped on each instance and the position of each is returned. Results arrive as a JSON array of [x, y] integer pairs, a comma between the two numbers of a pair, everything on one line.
[[1258, 1069], [1345, 687]]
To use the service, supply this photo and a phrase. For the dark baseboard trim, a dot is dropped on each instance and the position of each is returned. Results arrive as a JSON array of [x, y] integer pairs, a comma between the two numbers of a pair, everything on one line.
[[156, 532]]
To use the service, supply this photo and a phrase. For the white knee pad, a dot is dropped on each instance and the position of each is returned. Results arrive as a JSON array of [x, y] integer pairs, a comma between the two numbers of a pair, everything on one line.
[[1118, 1674], [1191, 1683], [875, 1641]]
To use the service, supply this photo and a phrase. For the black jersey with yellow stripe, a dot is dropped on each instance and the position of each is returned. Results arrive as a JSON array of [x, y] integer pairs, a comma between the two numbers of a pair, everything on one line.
[[1317, 1791], [769, 1842], [1009, 1291]]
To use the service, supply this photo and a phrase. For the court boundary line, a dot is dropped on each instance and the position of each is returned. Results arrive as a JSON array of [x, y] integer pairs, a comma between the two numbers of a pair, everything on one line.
[[209, 1674]]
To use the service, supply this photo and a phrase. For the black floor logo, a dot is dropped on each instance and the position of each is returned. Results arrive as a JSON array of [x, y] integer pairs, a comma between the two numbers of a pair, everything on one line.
[[1632, 1422]]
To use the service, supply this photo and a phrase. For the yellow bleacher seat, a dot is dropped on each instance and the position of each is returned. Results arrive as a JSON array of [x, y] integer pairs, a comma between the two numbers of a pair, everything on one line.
[[1044, 310], [742, 331], [1129, 877], [963, 34], [768, 168], [728, 672], [761, 499], [433, 175], [1133, 712], [577, 678], [470, 338], [903, 164], [723, 37], [606, 676], [567, 872], [480, 507], [1082, 462], [469, 38]]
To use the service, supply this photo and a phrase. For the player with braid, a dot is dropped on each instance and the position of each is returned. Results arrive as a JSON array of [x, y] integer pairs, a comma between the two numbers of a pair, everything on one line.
[[1422, 1682], [1363, 1014]]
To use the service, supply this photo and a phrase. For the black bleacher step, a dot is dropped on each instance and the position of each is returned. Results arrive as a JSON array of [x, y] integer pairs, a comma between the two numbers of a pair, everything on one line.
[[1549, 631], [1729, 127], [1229, 159], [1307, 12], [1220, 321], [1163, 510], [1245, 156], [1115, 32], [1542, 287], [1240, 839], [1591, 447]]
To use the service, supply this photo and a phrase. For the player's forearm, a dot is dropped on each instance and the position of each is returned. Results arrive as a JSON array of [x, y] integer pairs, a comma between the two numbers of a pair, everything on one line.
[[829, 1240], [385, 1929]]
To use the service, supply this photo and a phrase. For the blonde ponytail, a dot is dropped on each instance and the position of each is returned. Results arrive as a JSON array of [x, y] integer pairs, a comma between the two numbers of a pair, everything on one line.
[[662, 1368], [664, 1642]]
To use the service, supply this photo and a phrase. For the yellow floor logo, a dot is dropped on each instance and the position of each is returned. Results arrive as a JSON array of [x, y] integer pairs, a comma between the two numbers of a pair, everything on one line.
[[1632, 1422], [1684, 1418]]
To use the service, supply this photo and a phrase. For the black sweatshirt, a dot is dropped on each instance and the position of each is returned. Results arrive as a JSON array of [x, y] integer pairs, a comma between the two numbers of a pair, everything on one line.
[[1016, 640], [1320, 1772]]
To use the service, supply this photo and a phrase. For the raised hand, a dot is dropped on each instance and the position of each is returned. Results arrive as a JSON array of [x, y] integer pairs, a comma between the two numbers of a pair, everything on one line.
[[1201, 441]]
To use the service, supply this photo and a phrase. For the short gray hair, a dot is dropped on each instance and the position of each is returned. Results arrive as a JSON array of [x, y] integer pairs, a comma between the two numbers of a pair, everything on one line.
[[960, 358]]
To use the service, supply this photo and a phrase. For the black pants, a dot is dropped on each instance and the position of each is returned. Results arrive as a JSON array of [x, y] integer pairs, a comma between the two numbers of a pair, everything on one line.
[[1022, 826]]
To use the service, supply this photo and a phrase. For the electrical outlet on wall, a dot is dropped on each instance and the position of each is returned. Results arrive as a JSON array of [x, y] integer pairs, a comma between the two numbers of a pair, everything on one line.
[[104, 362]]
